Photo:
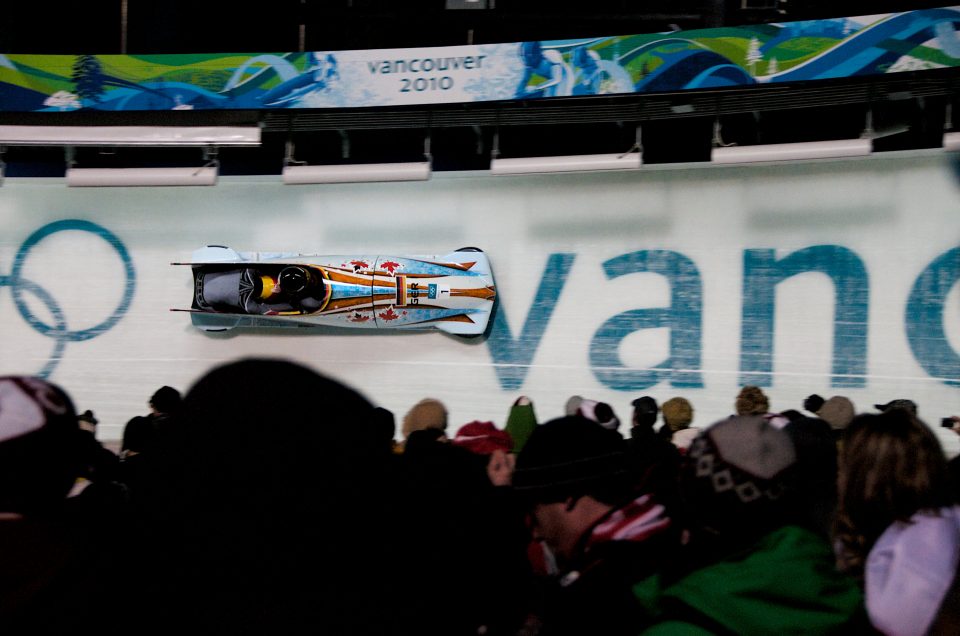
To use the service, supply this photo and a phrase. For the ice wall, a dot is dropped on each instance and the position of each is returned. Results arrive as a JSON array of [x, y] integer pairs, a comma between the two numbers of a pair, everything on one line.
[[837, 278]]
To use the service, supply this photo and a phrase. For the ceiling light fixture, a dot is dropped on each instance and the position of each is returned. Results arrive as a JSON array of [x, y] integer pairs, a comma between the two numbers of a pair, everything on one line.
[[951, 141], [148, 136], [120, 177], [792, 152], [357, 173], [632, 159], [300, 173], [567, 163]]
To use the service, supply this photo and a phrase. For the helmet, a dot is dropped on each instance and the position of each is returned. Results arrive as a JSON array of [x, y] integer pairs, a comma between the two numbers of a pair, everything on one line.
[[265, 290], [294, 279]]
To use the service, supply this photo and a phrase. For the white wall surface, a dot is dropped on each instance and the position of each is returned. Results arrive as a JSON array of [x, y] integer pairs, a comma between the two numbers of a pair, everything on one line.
[[896, 214]]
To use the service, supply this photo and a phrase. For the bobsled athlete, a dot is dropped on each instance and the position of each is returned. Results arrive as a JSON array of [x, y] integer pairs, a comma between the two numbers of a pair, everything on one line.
[[301, 287], [266, 297]]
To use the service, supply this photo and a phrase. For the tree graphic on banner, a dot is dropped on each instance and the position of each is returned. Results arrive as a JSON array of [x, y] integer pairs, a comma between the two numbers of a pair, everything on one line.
[[88, 77], [754, 55]]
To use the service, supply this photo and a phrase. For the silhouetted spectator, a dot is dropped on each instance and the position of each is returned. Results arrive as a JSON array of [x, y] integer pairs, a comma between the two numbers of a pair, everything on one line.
[[813, 403], [521, 422], [165, 401], [907, 405], [101, 464], [645, 412], [463, 542], [140, 433], [96, 492], [55, 569], [268, 521], [384, 428], [653, 461], [816, 468]]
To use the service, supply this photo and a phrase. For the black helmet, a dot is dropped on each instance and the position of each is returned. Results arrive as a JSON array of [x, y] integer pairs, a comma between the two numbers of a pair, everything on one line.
[[294, 279]]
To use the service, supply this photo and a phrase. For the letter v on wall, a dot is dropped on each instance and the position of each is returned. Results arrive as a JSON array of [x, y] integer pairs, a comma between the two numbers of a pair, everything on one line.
[[512, 356]]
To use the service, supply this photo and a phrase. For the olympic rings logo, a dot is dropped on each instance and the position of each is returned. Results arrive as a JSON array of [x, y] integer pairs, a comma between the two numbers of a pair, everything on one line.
[[59, 331]]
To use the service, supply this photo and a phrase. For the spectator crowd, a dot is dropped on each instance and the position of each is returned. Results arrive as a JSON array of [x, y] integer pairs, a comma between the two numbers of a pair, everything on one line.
[[269, 499]]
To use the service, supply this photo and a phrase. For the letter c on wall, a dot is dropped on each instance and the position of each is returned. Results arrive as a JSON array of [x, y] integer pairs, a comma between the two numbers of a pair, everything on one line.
[[924, 318]]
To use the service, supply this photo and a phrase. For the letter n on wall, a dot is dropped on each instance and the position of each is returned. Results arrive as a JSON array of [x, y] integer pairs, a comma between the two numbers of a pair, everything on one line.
[[762, 272]]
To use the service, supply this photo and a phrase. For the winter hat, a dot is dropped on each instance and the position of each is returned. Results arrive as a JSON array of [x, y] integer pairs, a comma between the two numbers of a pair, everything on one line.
[[427, 413], [40, 444], [599, 412], [738, 473], [677, 413], [87, 421], [752, 401], [483, 438], [521, 422], [645, 411], [569, 456], [572, 405], [906, 405], [838, 412], [813, 403]]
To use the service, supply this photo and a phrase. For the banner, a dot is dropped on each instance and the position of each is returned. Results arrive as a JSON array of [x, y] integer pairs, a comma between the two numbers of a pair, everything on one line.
[[836, 278], [683, 60]]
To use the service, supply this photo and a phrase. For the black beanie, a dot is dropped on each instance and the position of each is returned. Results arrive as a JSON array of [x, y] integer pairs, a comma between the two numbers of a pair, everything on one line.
[[571, 456]]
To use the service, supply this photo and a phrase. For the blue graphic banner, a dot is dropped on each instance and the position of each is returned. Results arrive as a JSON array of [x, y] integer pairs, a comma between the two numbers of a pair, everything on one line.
[[684, 60]]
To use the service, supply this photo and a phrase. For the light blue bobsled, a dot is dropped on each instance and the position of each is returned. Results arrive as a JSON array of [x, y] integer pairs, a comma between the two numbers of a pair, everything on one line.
[[453, 293]]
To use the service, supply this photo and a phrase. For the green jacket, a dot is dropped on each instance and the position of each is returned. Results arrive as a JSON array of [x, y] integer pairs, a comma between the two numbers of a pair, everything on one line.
[[786, 584]]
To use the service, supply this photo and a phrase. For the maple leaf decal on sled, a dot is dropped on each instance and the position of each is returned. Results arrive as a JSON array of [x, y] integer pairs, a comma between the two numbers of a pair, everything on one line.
[[359, 266], [358, 317], [389, 314], [391, 266]]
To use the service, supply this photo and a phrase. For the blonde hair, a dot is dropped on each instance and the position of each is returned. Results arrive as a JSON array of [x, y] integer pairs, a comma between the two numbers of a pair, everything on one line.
[[677, 413], [427, 413], [752, 401]]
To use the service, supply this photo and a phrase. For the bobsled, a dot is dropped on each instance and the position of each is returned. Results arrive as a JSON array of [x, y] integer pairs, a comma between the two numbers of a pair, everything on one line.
[[454, 293]]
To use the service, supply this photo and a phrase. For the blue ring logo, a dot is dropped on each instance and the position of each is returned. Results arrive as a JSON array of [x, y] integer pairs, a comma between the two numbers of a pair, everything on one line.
[[59, 331]]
